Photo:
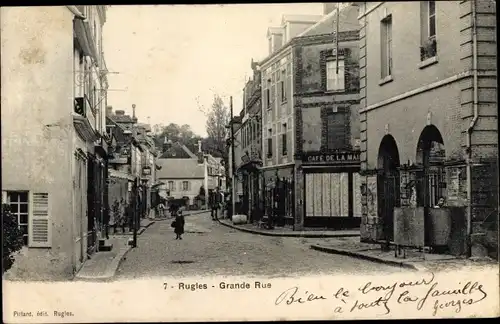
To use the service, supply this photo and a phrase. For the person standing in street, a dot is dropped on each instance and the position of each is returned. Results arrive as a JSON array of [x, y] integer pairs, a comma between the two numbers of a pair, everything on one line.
[[178, 225], [215, 204]]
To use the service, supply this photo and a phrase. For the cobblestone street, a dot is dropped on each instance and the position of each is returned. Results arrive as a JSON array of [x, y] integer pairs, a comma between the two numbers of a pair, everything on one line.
[[209, 248]]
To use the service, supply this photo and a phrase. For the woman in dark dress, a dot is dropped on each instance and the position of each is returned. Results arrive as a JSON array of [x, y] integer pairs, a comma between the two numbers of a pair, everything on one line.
[[178, 225]]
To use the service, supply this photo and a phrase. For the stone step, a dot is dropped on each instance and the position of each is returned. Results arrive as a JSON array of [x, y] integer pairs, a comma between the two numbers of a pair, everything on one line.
[[105, 246]]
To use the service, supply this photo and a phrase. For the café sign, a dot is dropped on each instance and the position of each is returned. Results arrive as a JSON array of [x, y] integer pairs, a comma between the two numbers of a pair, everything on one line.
[[335, 158]]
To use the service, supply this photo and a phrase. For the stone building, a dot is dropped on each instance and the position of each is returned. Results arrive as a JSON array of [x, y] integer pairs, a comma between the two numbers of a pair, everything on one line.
[[251, 147], [278, 126], [54, 142], [429, 123], [309, 113]]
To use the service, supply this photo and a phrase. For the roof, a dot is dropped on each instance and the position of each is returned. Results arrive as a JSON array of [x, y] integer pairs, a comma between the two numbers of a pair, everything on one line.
[[178, 151], [274, 30], [121, 118], [301, 18], [180, 169], [348, 21]]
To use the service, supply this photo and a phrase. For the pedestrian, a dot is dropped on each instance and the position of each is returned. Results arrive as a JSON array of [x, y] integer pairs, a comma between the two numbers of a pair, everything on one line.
[[215, 204], [178, 225], [161, 209], [440, 202]]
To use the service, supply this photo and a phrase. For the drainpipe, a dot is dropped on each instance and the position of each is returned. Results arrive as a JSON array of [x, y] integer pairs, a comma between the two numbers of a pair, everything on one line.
[[74, 10], [471, 127]]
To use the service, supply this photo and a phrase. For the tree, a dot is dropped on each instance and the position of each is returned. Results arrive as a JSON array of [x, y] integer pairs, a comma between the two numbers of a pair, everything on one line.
[[218, 117], [12, 238], [175, 133]]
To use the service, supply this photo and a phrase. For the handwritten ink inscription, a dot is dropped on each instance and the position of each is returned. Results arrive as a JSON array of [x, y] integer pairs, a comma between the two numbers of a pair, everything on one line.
[[425, 294]]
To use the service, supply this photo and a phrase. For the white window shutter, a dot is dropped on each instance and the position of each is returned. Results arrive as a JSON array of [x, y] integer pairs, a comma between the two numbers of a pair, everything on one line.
[[39, 220]]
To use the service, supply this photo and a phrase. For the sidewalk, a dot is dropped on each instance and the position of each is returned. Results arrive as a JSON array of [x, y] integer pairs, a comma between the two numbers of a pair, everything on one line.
[[289, 232], [414, 259], [103, 265]]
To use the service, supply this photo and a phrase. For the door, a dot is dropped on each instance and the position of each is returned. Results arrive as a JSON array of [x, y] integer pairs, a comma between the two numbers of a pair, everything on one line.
[[388, 200], [79, 247]]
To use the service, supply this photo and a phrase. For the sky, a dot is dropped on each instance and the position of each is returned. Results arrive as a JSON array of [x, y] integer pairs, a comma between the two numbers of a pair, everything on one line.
[[170, 60]]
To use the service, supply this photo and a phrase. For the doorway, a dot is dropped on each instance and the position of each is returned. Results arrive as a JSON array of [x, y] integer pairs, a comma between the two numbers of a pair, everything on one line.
[[388, 184]]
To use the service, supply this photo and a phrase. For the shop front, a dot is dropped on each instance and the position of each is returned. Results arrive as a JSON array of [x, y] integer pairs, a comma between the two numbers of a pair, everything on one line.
[[251, 205], [278, 195], [331, 194]]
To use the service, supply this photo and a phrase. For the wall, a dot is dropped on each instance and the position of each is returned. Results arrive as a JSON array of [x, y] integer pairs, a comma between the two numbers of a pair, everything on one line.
[[279, 112], [194, 188], [406, 48], [37, 127], [448, 105]]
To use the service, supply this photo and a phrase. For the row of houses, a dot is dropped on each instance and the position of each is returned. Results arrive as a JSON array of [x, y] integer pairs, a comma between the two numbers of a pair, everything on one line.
[[351, 123], [54, 139], [67, 158]]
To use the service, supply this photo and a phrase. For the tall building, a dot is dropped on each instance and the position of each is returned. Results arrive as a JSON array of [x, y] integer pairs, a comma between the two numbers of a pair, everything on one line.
[[54, 143], [429, 124], [250, 163], [310, 125]]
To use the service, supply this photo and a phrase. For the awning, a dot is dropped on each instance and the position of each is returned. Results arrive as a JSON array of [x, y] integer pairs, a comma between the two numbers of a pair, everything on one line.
[[84, 36], [250, 166]]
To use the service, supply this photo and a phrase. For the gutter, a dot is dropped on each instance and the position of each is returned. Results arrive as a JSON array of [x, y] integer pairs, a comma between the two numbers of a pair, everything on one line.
[[74, 10], [471, 127]]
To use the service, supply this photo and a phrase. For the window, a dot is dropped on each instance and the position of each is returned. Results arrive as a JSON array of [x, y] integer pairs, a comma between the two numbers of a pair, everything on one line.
[[270, 143], [283, 141], [32, 212], [282, 85], [336, 135], [335, 80], [171, 185], [386, 46], [18, 203], [268, 94], [432, 19], [185, 185], [428, 46]]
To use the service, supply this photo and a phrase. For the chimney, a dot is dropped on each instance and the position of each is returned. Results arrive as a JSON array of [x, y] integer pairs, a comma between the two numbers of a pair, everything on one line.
[[133, 114], [109, 111], [120, 113], [199, 146], [166, 144]]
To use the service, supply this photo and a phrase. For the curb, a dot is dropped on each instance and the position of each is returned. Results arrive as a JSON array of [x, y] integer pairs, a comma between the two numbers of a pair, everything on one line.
[[110, 269], [299, 234], [364, 257]]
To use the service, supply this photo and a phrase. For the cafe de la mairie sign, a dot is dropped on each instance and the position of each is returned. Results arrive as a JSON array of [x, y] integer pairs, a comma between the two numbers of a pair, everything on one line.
[[331, 158]]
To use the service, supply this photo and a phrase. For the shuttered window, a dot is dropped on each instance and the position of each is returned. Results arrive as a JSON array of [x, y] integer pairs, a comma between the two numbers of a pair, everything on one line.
[[40, 229], [33, 216]]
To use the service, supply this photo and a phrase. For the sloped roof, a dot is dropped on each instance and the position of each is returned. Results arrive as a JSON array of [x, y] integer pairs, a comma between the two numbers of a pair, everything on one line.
[[348, 21], [180, 169], [301, 18], [178, 150]]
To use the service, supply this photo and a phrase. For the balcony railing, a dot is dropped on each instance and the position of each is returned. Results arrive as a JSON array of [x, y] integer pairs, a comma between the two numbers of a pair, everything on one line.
[[82, 108]]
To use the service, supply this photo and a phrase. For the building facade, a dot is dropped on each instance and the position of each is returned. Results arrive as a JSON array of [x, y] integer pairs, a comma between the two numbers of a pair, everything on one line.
[[326, 103], [250, 163], [429, 123], [310, 125], [278, 116], [53, 135], [181, 173]]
